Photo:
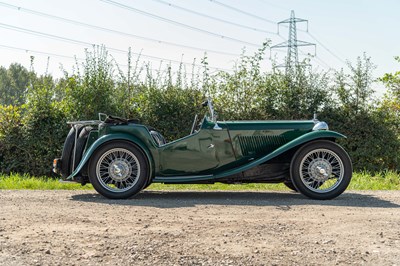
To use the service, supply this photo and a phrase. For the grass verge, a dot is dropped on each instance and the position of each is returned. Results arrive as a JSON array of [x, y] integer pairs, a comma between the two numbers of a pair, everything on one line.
[[360, 181], [17, 181]]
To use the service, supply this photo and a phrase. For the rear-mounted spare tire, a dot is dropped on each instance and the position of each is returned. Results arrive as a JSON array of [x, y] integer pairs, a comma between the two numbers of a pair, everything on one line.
[[80, 144], [68, 149]]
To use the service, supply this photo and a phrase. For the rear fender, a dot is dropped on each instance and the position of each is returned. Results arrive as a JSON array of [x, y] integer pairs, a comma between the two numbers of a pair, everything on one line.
[[314, 135], [113, 137]]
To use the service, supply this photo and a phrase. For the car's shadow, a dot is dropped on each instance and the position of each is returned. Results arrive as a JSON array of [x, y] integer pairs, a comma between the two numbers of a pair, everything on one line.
[[174, 199]]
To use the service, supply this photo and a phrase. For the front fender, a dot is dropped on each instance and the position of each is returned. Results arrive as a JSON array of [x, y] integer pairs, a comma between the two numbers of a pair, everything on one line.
[[113, 137], [314, 135]]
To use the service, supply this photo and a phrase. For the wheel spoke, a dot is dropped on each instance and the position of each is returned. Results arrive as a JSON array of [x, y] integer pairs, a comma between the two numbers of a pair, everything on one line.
[[318, 167], [118, 170]]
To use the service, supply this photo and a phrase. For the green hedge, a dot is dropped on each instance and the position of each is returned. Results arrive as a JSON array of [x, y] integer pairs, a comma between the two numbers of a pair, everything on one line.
[[32, 132]]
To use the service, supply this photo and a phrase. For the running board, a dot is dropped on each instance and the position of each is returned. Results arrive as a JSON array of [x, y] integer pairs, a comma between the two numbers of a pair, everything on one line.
[[178, 179]]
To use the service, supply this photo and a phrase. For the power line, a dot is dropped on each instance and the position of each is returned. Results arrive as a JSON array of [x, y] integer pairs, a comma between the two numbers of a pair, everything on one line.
[[274, 5], [38, 13], [250, 14], [79, 59], [180, 24], [74, 22], [38, 52], [214, 18], [120, 65], [270, 21], [326, 48], [317, 58], [242, 11], [87, 44]]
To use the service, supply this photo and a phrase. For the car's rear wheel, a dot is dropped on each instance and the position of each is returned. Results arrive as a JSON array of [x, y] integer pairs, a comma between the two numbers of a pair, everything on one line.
[[118, 170], [321, 170]]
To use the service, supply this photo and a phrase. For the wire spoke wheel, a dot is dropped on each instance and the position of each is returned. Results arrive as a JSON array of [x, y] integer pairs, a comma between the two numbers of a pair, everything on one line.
[[118, 170], [321, 170]]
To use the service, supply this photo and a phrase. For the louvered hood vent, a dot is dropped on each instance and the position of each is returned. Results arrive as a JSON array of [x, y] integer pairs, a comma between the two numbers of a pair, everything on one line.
[[254, 145]]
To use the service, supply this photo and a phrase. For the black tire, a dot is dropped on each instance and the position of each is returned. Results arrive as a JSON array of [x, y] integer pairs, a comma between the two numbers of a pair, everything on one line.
[[68, 149], [290, 185], [118, 170], [147, 185], [321, 170], [81, 143]]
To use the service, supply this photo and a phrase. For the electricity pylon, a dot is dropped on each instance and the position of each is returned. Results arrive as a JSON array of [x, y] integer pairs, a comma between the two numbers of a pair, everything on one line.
[[292, 44]]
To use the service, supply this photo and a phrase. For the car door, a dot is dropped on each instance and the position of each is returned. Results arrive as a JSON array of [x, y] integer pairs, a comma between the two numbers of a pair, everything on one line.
[[201, 153]]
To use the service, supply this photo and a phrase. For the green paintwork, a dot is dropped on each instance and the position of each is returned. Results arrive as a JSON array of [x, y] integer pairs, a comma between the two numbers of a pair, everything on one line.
[[253, 139], [292, 144], [252, 162], [209, 154], [137, 134], [201, 153]]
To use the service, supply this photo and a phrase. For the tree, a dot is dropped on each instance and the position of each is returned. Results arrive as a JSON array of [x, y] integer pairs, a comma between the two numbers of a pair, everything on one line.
[[303, 93], [241, 94], [391, 103], [390, 106], [392, 81], [354, 90], [13, 84], [44, 126], [90, 90], [372, 141], [249, 93]]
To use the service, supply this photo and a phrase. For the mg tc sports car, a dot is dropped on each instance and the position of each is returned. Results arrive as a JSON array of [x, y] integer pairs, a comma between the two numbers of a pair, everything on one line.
[[120, 157]]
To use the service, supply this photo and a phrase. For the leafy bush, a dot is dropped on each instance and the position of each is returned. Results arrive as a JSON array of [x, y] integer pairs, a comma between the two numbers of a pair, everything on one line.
[[32, 135], [33, 128], [13, 84], [44, 127], [249, 94], [90, 90], [170, 110], [371, 143], [11, 139]]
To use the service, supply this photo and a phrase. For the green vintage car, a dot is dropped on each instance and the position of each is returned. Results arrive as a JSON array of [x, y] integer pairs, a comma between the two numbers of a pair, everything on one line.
[[121, 157]]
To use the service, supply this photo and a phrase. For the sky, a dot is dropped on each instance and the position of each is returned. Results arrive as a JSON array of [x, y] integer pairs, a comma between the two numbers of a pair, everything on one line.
[[166, 32]]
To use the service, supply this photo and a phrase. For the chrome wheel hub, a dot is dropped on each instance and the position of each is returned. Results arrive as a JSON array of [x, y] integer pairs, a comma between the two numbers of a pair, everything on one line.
[[320, 169], [119, 170]]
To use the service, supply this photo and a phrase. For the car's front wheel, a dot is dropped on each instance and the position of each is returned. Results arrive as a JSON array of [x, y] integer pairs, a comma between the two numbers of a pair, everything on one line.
[[118, 170], [321, 170]]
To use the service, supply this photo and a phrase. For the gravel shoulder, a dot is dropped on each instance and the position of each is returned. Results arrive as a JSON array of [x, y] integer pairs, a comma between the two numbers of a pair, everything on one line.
[[199, 228]]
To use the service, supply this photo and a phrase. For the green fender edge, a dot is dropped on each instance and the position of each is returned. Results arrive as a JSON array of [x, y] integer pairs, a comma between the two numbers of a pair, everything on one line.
[[107, 138]]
